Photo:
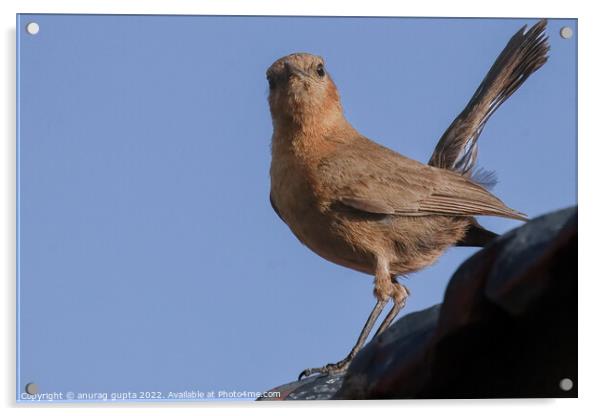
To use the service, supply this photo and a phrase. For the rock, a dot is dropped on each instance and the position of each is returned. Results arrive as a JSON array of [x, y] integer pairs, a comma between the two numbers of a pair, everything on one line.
[[311, 388], [507, 328]]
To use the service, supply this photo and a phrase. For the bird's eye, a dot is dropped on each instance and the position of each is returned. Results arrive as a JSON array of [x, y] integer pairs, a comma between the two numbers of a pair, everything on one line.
[[271, 82], [320, 70]]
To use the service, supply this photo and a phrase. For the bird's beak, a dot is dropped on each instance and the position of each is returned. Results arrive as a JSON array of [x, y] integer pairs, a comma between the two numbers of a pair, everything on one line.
[[292, 69]]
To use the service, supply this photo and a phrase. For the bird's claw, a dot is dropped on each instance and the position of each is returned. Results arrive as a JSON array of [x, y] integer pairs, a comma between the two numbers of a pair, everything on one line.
[[305, 373], [328, 369]]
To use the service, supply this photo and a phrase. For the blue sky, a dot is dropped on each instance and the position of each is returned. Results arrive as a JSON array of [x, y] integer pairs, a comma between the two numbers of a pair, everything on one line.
[[149, 256]]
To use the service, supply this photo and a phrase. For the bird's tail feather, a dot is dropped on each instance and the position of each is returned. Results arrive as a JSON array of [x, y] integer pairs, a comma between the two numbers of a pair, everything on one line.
[[524, 54], [476, 236]]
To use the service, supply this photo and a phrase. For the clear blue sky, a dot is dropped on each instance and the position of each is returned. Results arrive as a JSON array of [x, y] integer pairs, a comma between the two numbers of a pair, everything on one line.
[[150, 258]]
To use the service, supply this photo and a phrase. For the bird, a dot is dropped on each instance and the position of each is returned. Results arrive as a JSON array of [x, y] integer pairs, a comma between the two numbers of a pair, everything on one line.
[[368, 208]]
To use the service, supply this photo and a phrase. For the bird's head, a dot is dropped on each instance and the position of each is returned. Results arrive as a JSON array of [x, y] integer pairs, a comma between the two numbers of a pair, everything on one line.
[[301, 89]]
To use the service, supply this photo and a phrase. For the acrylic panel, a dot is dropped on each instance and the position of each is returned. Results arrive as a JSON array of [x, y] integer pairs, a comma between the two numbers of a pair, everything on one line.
[[151, 266]]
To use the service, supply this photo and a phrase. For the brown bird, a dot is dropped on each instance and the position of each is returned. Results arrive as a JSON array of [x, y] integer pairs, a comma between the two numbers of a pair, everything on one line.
[[363, 206]]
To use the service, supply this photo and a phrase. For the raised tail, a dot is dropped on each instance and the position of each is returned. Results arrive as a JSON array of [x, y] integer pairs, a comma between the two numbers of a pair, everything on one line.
[[524, 54], [457, 149]]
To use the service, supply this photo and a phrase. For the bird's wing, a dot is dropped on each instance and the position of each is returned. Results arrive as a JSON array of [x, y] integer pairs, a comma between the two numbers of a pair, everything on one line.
[[374, 179]]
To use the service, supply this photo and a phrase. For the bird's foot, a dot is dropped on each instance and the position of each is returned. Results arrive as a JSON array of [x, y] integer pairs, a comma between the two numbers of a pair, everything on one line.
[[328, 369]]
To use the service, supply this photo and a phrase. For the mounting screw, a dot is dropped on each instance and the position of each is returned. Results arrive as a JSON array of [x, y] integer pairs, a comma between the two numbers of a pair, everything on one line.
[[31, 388], [32, 28], [566, 32], [566, 384]]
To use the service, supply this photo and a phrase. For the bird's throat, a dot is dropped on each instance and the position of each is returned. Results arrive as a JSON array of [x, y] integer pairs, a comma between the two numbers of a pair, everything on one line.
[[312, 138]]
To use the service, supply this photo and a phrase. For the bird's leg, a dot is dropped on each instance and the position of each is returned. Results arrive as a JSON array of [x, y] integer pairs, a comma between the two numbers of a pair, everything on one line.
[[344, 363], [383, 290], [399, 301]]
